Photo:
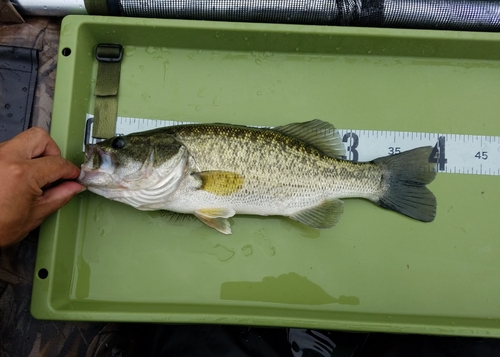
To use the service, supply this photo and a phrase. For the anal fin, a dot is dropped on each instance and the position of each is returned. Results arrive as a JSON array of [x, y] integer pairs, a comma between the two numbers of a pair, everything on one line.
[[216, 218], [325, 215]]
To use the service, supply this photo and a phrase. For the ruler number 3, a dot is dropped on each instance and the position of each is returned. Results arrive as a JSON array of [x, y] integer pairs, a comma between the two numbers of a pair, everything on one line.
[[353, 140]]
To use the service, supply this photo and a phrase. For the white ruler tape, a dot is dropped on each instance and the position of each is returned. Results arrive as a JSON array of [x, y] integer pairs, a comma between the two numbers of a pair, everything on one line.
[[453, 153]]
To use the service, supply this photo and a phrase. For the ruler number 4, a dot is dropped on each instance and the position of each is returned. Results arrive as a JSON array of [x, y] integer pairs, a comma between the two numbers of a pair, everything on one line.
[[438, 154]]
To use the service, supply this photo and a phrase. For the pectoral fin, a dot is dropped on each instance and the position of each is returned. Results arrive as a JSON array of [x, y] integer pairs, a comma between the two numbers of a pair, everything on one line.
[[324, 215], [216, 218], [221, 183]]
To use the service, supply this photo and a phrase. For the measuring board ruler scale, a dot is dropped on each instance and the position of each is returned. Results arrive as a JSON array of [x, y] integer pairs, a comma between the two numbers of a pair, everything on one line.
[[452, 153]]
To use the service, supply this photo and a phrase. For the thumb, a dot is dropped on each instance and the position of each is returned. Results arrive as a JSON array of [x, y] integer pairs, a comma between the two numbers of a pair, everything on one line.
[[55, 197]]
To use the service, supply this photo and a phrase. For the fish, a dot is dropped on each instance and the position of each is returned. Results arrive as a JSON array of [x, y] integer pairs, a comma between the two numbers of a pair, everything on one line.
[[215, 171]]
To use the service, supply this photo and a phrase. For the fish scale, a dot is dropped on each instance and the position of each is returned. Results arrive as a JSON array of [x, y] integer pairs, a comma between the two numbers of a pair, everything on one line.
[[308, 172]]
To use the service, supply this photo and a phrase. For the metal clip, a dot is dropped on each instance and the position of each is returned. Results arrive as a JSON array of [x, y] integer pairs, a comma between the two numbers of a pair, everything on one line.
[[104, 47]]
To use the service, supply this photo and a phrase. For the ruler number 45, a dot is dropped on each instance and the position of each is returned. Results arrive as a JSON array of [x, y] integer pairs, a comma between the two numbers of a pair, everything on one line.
[[481, 155]]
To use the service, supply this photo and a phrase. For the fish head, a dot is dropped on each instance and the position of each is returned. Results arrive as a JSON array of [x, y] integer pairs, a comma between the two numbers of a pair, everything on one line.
[[129, 161]]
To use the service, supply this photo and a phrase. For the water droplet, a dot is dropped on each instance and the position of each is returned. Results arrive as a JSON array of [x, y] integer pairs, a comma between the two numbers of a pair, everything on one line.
[[247, 250], [258, 61], [259, 93], [150, 50], [297, 48], [198, 108], [223, 253], [9, 115], [165, 70], [202, 93], [129, 50], [25, 89], [141, 67], [7, 106]]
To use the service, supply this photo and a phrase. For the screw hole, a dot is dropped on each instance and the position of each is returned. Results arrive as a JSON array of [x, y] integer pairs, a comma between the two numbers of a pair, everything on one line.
[[43, 273], [66, 52]]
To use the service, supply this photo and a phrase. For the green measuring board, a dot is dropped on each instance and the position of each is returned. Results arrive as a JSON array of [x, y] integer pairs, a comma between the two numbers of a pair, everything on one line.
[[376, 270]]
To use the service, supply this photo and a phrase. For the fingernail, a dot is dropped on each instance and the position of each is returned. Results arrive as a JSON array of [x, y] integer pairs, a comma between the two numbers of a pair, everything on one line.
[[82, 189]]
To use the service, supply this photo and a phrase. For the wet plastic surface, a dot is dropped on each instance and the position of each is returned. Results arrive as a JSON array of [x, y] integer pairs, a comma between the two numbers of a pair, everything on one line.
[[375, 271]]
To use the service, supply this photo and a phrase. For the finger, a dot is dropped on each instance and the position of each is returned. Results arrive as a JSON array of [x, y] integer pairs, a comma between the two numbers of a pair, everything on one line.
[[46, 170], [56, 197], [32, 143]]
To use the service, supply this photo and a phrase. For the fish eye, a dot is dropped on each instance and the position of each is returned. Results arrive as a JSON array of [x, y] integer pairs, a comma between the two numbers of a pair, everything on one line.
[[118, 142]]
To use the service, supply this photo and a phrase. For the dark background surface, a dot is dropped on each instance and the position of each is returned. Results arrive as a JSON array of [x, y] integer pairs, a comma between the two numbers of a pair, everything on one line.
[[21, 335]]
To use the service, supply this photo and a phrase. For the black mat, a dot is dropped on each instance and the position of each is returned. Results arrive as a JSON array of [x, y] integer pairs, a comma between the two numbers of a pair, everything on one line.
[[18, 71]]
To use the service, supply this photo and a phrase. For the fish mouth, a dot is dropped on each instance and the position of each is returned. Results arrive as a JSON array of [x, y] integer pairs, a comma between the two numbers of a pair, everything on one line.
[[98, 163], [87, 176], [89, 151]]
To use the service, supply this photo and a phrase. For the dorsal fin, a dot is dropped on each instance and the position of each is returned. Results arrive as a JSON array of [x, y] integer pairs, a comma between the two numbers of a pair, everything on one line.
[[320, 134]]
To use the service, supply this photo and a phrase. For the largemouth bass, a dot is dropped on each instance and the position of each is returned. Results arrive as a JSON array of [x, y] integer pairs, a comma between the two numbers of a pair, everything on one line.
[[215, 171]]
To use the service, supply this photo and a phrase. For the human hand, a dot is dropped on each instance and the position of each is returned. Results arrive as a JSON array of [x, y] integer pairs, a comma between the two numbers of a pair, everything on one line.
[[30, 169]]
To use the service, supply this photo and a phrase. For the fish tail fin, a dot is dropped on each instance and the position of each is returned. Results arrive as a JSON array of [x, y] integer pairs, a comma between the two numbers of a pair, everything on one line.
[[404, 178]]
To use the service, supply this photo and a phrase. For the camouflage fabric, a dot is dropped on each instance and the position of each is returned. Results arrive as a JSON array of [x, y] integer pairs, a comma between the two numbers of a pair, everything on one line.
[[8, 13], [42, 34], [20, 333]]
